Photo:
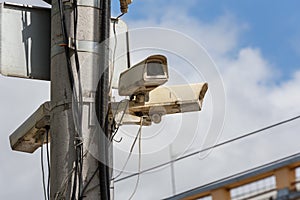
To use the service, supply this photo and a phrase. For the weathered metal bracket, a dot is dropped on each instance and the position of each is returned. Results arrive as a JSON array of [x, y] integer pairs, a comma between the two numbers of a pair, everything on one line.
[[92, 114], [82, 46], [32, 133], [89, 3]]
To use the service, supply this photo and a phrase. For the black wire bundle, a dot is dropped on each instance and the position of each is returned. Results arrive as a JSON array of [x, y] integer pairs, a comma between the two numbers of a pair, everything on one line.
[[102, 102], [102, 168], [65, 40], [46, 191], [43, 172], [101, 106], [48, 161], [78, 142], [78, 102]]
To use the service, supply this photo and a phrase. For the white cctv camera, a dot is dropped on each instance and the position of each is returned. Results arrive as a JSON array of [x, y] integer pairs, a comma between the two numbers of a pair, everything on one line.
[[149, 101], [144, 76], [32, 133], [162, 101]]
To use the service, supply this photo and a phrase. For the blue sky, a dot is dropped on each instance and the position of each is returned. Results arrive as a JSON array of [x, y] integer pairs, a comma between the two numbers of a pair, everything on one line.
[[271, 26]]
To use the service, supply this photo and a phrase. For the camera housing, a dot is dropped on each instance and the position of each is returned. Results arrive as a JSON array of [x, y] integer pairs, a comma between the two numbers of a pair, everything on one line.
[[144, 76], [32, 133], [149, 101], [163, 100]]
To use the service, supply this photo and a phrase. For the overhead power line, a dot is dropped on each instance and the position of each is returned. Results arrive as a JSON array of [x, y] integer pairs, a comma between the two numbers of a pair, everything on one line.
[[211, 147]]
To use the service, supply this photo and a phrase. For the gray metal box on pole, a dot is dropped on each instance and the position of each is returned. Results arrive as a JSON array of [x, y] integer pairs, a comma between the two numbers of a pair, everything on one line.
[[24, 41]]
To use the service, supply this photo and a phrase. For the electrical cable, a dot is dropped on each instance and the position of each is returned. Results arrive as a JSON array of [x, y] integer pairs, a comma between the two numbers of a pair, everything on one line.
[[80, 170], [48, 162], [102, 101], [59, 195], [115, 49], [64, 186], [77, 98], [104, 182], [65, 40], [67, 55], [104, 189], [140, 160], [130, 152], [77, 64], [78, 112], [87, 184], [121, 119], [43, 172], [209, 148]]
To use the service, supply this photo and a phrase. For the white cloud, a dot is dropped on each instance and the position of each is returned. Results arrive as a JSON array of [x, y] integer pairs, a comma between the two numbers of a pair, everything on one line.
[[254, 96], [285, 97], [218, 37]]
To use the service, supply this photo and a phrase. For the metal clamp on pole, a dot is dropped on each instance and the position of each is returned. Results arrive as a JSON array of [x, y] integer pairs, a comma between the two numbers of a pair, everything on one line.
[[89, 3], [81, 45], [92, 110], [84, 46]]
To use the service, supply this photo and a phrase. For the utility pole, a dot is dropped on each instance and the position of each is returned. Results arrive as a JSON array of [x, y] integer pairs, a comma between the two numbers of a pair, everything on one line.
[[76, 26]]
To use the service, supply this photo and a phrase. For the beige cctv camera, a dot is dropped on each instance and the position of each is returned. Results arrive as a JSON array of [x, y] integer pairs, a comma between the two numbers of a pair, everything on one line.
[[148, 99], [144, 76]]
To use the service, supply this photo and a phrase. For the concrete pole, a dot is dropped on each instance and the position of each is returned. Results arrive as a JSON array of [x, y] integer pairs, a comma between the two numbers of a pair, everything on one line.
[[92, 27]]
